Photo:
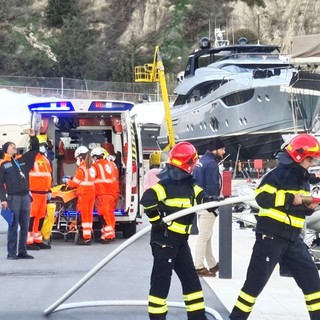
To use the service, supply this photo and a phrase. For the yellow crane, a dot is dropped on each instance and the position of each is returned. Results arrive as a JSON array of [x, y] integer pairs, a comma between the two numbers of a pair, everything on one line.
[[154, 72]]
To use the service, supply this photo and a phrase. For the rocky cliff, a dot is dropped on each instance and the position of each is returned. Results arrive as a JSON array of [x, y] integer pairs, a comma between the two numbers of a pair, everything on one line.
[[134, 27]]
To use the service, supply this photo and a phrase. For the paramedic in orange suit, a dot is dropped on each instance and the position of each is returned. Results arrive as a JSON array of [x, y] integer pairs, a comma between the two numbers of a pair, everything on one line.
[[107, 192], [40, 181], [83, 180]]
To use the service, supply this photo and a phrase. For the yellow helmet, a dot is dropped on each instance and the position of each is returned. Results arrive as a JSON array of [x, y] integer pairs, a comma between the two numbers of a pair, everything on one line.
[[155, 158], [42, 138]]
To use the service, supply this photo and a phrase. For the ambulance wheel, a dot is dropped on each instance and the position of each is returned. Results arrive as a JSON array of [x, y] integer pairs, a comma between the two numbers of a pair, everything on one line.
[[129, 229]]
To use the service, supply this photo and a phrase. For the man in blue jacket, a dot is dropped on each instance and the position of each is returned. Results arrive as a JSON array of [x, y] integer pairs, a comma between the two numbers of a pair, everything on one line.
[[207, 176]]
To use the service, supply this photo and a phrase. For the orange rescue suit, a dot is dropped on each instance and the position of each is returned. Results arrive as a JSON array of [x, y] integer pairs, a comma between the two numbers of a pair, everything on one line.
[[83, 180], [40, 182], [107, 195]]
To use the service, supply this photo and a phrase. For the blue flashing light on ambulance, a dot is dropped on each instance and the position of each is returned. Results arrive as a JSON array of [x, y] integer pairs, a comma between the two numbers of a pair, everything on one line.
[[71, 123]]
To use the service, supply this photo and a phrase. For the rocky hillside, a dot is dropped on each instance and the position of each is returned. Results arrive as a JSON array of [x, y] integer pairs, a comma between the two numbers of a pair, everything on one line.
[[105, 39], [280, 20]]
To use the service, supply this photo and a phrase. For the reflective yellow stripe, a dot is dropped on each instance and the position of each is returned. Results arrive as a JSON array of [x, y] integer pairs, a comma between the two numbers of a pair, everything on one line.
[[176, 162], [178, 202], [195, 306], [153, 206], [280, 194], [162, 305], [314, 307], [312, 296], [154, 218], [282, 217], [158, 310], [180, 228], [193, 296], [247, 297], [175, 202], [157, 300], [266, 188], [280, 198], [243, 307], [161, 193], [197, 190]]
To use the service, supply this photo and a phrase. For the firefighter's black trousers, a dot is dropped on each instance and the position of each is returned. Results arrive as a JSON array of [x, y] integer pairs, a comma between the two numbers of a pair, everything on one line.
[[172, 252], [267, 252]]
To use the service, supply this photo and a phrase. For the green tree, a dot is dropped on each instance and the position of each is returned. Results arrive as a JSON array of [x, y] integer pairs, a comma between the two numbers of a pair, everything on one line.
[[246, 33], [204, 17], [71, 48], [59, 10]]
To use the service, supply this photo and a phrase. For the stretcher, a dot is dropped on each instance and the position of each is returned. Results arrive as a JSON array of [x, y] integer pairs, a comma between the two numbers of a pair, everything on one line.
[[65, 217], [67, 220]]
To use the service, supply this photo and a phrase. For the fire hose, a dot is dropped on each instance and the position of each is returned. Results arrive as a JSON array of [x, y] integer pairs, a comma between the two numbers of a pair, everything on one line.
[[57, 306]]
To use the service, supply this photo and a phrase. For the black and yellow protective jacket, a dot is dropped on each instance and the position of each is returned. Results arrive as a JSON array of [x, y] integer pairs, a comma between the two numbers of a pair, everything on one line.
[[275, 195], [169, 196]]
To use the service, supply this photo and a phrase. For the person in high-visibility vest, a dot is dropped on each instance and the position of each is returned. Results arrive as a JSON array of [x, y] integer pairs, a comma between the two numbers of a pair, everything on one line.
[[175, 191], [281, 219], [83, 180], [107, 192], [40, 182]]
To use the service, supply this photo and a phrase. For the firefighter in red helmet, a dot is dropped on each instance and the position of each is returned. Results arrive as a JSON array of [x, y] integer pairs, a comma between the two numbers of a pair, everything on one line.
[[278, 231], [175, 191]]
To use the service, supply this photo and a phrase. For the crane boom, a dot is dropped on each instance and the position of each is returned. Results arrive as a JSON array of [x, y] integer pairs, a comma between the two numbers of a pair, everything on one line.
[[154, 72]]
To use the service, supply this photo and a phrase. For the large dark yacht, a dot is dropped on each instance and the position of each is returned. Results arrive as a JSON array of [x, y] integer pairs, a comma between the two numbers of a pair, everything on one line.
[[233, 91]]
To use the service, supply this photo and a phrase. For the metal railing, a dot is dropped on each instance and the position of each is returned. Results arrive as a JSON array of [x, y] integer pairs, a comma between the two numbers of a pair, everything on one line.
[[65, 88]]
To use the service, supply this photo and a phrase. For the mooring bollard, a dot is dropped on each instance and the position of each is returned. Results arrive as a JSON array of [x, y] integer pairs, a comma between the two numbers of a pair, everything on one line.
[[225, 242]]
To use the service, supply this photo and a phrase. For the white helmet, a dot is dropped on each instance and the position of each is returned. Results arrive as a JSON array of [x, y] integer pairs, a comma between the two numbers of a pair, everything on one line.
[[99, 152], [80, 150]]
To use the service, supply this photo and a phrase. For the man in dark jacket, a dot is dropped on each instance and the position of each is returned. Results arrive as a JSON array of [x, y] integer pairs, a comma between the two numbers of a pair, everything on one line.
[[207, 175], [282, 213], [14, 194], [175, 191]]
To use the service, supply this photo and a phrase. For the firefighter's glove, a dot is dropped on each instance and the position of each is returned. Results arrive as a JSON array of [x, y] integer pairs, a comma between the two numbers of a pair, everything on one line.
[[159, 225]]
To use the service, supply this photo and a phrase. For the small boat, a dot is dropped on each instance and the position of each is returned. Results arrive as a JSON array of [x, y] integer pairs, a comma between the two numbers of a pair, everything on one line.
[[233, 91]]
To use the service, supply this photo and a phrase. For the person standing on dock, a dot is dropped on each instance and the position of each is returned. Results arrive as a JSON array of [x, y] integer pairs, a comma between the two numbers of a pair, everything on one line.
[[15, 194], [175, 191], [207, 175], [282, 214]]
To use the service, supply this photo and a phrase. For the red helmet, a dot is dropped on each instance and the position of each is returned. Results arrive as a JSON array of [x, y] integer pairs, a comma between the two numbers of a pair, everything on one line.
[[184, 156], [303, 146]]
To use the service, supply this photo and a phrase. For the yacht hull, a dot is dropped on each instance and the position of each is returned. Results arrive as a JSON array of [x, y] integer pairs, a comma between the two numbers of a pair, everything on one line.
[[235, 92], [257, 125]]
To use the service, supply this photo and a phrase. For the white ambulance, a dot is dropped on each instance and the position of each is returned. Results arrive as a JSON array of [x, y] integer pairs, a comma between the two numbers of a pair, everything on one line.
[[92, 123]]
